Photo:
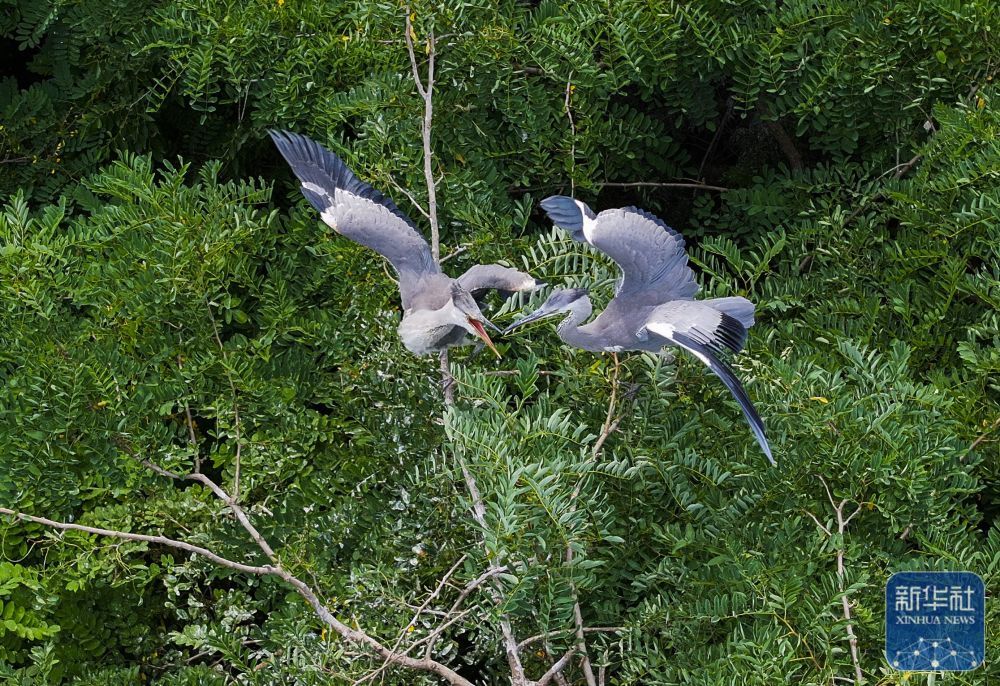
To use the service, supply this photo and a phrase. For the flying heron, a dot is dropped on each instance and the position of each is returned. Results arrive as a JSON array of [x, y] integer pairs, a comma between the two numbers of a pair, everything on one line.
[[654, 305], [438, 311]]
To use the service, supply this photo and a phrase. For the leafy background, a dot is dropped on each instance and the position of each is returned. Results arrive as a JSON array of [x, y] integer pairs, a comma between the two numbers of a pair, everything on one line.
[[156, 259]]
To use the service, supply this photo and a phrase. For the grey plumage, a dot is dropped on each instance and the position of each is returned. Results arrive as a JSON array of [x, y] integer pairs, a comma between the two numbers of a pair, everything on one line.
[[654, 304], [438, 311]]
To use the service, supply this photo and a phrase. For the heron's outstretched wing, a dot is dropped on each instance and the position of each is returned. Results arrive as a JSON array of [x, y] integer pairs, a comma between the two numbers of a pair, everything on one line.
[[481, 278], [354, 209], [706, 343], [651, 255]]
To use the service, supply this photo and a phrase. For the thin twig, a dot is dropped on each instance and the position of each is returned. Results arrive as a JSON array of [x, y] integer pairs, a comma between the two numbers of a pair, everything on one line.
[[976, 443], [454, 253], [357, 636], [159, 540], [715, 138], [664, 184], [236, 407], [192, 439], [609, 425], [409, 196], [426, 91], [416, 616], [842, 523], [555, 669], [220, 493], [469, 588], [589, 630], [572, 133]]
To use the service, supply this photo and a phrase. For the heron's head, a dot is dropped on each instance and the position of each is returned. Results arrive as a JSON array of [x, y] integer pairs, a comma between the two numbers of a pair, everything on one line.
[[560, 301], [467, 315]]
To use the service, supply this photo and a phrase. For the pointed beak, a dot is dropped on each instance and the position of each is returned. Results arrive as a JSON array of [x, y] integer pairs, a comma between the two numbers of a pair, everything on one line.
[[481, 332], [540, 313], [490, 325]]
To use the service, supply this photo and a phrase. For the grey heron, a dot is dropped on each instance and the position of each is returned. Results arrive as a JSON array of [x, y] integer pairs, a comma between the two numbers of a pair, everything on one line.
[[438, 311], [654, 305]]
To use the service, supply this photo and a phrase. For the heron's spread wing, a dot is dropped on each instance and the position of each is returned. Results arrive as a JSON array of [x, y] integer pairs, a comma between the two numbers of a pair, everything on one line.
[[706, 344], [354, 209], [485, 277], [651, 255]]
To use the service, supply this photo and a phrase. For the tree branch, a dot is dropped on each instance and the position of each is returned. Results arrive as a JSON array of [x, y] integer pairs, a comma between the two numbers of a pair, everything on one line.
[[426, 91], [664, 184], [555, 669], [572, 133], [589, 630], [236, 408], [357, 636], [469, 588], [610, 424], [842, 523], [411, 623], [159, 540]]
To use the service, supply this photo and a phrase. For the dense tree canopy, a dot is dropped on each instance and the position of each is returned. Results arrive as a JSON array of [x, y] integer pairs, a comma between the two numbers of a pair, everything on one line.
[[176, 323]]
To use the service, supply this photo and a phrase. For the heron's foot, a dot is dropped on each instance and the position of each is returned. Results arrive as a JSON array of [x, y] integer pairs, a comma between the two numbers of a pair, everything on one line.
[[668, 357]]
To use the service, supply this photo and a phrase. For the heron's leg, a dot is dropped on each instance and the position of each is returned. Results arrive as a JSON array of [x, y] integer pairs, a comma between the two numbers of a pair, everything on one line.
[[667, 355]]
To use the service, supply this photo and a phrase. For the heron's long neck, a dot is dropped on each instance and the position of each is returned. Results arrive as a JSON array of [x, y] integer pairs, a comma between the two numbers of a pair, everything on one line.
[[569, 329]]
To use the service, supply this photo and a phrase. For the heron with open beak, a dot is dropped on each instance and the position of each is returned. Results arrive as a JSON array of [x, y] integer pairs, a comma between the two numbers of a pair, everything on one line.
[[438, 311]]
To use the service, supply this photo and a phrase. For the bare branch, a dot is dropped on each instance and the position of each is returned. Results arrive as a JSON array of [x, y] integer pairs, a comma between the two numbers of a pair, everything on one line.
[[842, 523], [220, 493], [236, 408], [408, 35], [813, 517], [353, 635], [454, 253], [572, 133], [555, 669], [416, 616], [980, 439], [665, 184], [409, 197], [610, 424], [238, 512], [848, 519], [469, 588], [159, 540], [192, 439], [589, 630]]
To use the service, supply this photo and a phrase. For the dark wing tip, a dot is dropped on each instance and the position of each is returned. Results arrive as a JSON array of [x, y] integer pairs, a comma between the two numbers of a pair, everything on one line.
[[566, 214], [731, 333], [312, 162], [729, 379]]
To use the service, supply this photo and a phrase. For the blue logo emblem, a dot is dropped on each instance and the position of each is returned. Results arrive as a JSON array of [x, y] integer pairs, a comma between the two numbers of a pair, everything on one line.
[[935, 621]]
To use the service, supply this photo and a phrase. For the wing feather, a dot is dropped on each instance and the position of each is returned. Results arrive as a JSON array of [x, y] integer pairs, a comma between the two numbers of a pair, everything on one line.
[[354, 209], [706, 354], [650, 254]]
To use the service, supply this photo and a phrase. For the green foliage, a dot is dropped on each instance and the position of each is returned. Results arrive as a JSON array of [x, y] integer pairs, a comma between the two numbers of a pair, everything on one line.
[[166, 295]]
